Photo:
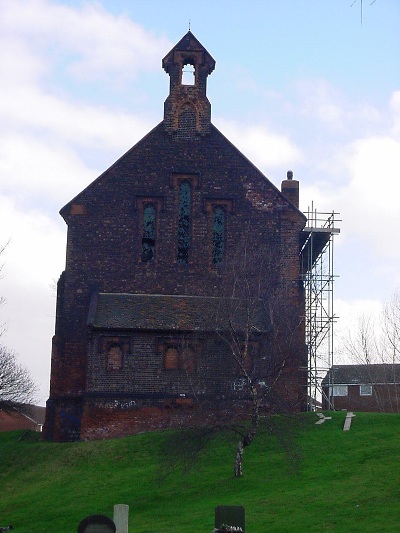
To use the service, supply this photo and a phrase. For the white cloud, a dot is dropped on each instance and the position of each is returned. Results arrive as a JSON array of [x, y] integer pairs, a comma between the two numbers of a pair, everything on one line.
[[70, 121], [264, 148], [97, 43], [395, 109], [36, 245], [33, 259], [34, 172], [46, 136], [320, 100], [368, 203]]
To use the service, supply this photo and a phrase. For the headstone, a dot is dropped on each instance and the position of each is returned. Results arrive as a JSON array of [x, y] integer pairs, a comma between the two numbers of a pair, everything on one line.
[[230, 515], [347, 422], [97, 523], [121, 517]]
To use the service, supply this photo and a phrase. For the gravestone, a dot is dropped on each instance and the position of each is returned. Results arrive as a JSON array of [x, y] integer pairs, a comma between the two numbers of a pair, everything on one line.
[[230, 515], [121, 517], [97, 523]]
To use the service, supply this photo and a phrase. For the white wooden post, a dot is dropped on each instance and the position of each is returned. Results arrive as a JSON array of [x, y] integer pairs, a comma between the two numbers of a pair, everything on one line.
[[121, 517]]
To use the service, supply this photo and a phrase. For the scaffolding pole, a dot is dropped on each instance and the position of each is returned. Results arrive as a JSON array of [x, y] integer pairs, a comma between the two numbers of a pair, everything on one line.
[[316, 261]]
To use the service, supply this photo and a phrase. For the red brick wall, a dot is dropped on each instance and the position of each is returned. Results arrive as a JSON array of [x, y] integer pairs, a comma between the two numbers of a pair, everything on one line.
[[385, 398], [104, 255]]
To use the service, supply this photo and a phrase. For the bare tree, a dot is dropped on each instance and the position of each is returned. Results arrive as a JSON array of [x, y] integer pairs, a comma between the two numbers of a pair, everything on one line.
[[374, 346], [259, 322], [2, 299], [376, 340], [16, 386]]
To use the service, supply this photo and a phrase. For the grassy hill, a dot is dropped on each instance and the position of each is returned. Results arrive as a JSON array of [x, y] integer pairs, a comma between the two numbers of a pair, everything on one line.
[[297, 477]]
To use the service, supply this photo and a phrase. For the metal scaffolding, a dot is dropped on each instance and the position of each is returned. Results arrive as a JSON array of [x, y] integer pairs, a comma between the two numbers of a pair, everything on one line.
[[316, 263]]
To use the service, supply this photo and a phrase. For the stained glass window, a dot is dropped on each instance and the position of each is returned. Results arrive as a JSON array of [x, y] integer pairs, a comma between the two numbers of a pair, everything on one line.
[[184, 215], [149, 232], [218, 235]]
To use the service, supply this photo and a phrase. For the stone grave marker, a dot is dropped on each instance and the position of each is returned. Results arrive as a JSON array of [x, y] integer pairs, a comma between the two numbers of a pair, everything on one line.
[[230, 515], [121, 517], [97, 523]]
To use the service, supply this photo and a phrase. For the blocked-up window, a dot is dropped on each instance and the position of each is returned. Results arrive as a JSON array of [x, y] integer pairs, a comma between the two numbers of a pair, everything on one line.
[[188, 359], [184, 220], [365, 390], [179, 357], [114, 357], [187, 121], [171, 358], [149, 232], [340, 390], [218, 235], [114, 349]]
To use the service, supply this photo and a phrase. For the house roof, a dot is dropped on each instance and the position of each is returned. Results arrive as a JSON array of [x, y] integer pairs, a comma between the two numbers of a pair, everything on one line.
[[362, 374], [21, 416], [172, 313]]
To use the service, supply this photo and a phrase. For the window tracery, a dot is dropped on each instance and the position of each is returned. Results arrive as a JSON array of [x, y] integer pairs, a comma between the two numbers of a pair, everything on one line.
[[184, 221], [149, 232], [218, 235]]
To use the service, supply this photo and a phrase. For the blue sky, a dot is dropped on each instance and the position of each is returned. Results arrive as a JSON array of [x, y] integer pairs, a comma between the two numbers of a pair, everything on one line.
[[298, 84]]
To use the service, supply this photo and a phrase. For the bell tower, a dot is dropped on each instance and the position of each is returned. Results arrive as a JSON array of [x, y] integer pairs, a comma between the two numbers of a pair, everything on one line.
[[187, 111]]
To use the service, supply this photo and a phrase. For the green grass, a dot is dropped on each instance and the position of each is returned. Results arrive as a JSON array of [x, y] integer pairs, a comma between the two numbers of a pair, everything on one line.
[[298, 478]]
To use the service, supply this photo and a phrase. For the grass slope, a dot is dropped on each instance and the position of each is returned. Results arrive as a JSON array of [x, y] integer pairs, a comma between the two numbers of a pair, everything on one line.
[[298, 477]]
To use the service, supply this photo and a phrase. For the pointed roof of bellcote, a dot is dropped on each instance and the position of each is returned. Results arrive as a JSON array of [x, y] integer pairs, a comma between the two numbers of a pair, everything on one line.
[[188, 50]]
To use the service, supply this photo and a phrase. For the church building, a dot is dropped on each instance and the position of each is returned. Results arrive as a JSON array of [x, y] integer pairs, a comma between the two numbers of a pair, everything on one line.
[[182, 284]]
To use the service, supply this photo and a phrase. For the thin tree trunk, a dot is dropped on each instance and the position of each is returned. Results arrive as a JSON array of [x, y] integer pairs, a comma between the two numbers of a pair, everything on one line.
[[238, 470], [248, 438]]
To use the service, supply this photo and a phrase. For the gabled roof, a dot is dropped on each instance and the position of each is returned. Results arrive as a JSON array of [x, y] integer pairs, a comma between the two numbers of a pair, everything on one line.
[[362, 374], [170, 313], [122, 167], [186, 44]]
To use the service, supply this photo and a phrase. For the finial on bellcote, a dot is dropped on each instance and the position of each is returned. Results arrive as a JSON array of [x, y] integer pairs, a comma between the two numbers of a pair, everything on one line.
[[189, 24]]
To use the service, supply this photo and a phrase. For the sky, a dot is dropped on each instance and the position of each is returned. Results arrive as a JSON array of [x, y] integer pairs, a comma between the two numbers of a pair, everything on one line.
[[299, 84]]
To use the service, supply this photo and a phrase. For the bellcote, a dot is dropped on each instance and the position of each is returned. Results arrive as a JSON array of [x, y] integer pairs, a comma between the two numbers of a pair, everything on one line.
[[187, 111]]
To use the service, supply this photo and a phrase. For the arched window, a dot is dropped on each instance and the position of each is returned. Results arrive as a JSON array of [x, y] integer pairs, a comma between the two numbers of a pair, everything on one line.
[[218, 235], [149, 232], [188, 74], [184, 216]]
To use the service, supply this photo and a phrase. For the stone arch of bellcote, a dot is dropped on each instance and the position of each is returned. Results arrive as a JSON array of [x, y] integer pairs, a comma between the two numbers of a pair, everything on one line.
[[187, 111]]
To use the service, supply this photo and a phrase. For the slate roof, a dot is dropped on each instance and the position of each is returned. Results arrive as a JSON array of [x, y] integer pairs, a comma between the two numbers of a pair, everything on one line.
[[362, 374], [169, 312]]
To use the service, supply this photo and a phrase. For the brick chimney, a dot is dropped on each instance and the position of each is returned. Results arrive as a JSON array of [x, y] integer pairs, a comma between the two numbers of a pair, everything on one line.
[[290, 189]]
